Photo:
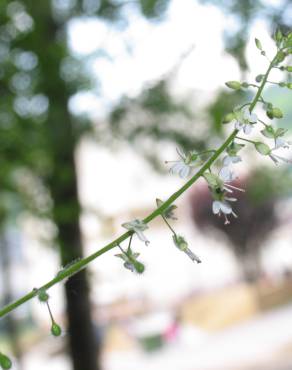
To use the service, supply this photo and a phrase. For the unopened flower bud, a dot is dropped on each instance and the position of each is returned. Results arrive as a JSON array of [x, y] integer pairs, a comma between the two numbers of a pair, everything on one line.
[[274, 113], [259, 78], [56, 329], [262, 148], [235, 85], [289, 68], [258, 44]]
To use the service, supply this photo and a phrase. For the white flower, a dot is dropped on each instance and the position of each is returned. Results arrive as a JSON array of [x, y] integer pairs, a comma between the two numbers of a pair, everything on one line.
[[281, 143], [228, 159], [222, 206], [244, 120], [183, 166], [226, 176], [277, 158], [138, 226]]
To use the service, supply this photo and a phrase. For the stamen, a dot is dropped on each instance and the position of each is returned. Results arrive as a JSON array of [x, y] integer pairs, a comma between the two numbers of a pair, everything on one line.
[[234, 187]]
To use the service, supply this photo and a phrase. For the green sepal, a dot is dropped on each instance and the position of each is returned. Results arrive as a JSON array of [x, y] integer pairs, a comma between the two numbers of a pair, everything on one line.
[[280, 132], [234, 148], [211, 179]]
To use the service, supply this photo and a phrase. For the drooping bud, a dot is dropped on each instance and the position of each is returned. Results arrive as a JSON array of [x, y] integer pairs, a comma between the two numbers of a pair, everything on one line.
[[5, 361], [258, 44], [56, 329], [235, 85], [259, 78]]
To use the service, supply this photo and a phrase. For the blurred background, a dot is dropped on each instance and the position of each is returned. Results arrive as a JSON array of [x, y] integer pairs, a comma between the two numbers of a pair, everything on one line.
[[95, 95]]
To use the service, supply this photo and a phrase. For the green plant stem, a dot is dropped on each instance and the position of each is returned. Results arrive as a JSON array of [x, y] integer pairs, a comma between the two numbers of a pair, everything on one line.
[[82, 263], [242, 138], [168, 224]]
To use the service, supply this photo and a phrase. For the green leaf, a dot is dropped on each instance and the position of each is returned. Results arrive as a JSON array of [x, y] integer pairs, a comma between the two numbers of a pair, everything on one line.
[[5, 361]]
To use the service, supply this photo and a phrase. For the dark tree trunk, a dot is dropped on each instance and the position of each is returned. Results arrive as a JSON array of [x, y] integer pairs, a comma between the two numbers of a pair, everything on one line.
[[60, 140]]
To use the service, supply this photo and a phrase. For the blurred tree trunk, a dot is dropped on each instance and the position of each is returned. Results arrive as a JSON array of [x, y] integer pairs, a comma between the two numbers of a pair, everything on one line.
[[61, 139]]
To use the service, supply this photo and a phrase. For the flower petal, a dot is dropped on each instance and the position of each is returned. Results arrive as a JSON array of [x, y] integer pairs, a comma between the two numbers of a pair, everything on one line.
[[226, 208], [216, 206], [184, 171]]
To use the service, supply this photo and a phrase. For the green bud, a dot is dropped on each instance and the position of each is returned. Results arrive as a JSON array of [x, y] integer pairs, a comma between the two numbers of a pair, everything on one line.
[[277, 113], [56, 330], [268, 132], [5, 361], [289, 85], [262, 148], [235, 85], [259, 78], [288, 68], [228, 118], [258, 44], [43, 295], [269, 113]]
